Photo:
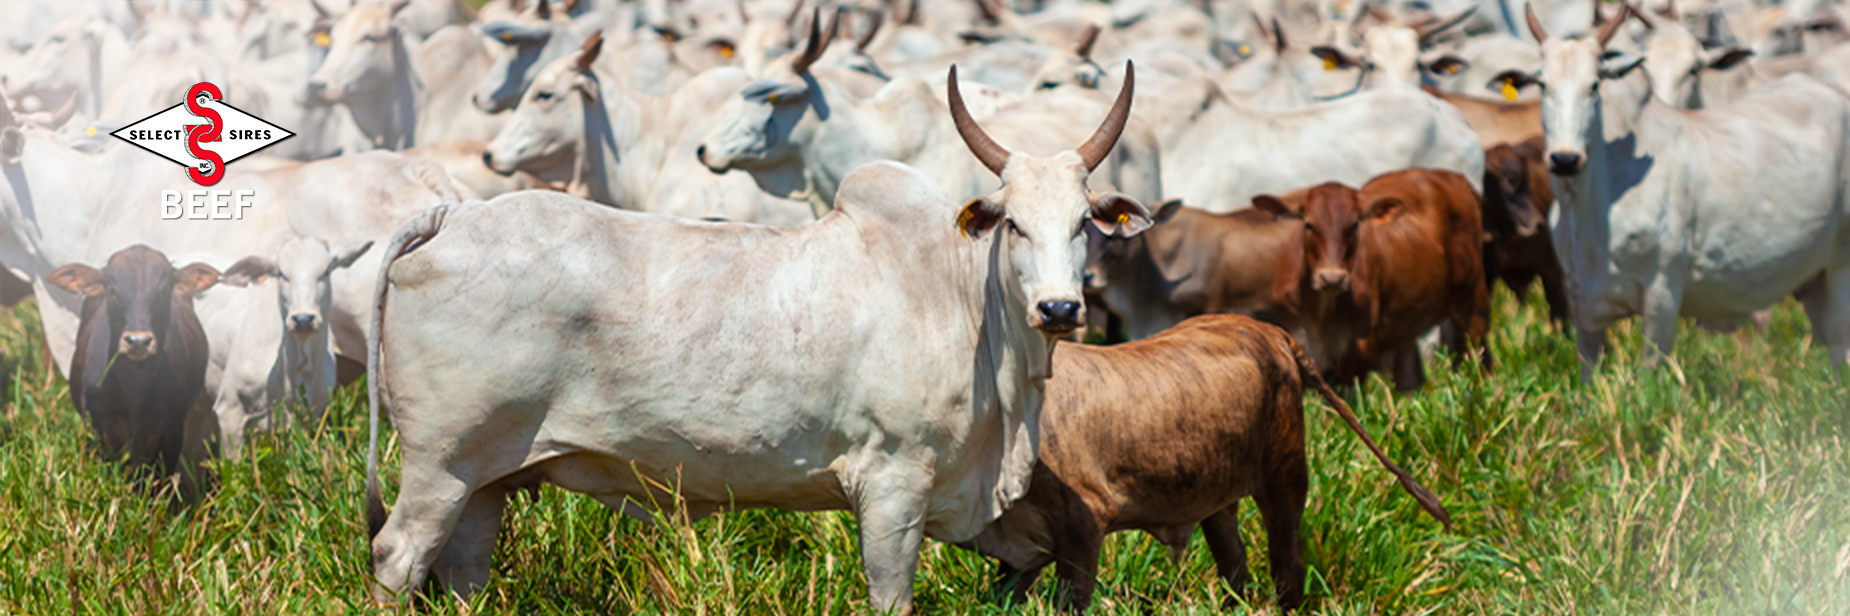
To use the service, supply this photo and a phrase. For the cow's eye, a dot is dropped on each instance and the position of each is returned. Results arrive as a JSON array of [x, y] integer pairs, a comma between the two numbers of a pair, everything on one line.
[[1014, 229], [543, 96]]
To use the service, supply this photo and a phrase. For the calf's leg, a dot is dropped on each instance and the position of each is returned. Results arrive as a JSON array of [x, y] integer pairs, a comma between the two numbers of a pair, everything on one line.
[[1076, 563], [1281, 503], [1222, 530]]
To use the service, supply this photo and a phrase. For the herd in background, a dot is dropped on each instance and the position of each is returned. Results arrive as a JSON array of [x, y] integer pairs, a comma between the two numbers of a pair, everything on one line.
[[1356, 174]]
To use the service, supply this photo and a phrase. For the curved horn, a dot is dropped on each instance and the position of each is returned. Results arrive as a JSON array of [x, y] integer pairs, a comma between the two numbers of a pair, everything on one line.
[[988, 12], [1279, 33], [796, 11], [63, 114], [545, 9], [1606, 30], [320, 11], [745, 17], [1669, 11], [1100, 144], [987, 151], [1084, 50], [817, 42], [588, 53], [876, 19], [1429, 30], [1535, 25], [912, 13]]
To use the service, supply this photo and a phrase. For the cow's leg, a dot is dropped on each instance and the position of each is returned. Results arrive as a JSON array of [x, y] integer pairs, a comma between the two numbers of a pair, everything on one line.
[[1012, 584], [892, 515], [1470, 322], [464, 563], [1222, 530], [430, 501], [1663, 300], [1827, 306], [1281, 503], [1076, 548]]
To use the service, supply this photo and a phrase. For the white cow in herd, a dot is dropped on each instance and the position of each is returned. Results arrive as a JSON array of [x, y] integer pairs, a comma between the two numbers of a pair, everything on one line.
[[542, 338], [403, 92], [1711, 214], [270, 342]]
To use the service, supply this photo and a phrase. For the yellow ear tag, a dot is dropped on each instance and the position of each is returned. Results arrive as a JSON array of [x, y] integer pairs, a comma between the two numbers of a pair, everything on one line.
[[964, 217], [507, 37], [1509, 89], [322, 40], [725, 52], [1124, 219], [1329, 64], [1451, 70], [90, 131], [770, 98], [1245, 50]]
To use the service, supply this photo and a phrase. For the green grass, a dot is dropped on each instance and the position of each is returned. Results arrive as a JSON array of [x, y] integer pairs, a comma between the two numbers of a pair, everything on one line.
[[1717, 484]]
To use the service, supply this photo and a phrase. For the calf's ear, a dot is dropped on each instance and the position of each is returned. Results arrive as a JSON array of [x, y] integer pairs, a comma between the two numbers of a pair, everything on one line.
[[1381, 208], [248, 271], [194, 278], [349, 254], [1276, 207], [77, 278], [978, 217], [1119, 216]]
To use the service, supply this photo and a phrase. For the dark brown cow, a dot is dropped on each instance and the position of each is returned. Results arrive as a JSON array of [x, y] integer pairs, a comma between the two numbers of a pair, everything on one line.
[[1516, 201], [1164, 434], [1191, 263], [141, 355], [1376, 268]]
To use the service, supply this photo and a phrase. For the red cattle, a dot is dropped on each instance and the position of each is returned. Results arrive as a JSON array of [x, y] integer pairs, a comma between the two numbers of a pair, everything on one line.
[[140, 363], [1516, 201], [1375, 268], [1164, 434], [1191, 262]]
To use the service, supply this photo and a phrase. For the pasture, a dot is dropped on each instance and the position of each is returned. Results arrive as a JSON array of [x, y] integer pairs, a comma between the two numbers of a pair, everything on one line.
[[1718, 483]]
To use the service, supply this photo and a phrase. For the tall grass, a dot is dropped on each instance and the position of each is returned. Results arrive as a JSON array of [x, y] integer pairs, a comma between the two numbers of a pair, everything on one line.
[[1716, 484]]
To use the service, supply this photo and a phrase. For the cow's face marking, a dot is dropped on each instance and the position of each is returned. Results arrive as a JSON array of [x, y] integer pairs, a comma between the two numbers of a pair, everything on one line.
[[361, 57], [1331, 217], [755, 128], [549, 121], [138, 287]]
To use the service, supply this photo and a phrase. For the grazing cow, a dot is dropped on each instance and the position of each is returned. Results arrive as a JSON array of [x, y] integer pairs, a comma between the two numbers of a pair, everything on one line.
[[1190, 263], [273, 338], [912, 400], [1378, 267], [141, 356], [1710, 214], [1165, 434], [403, 92], [1517, 197]]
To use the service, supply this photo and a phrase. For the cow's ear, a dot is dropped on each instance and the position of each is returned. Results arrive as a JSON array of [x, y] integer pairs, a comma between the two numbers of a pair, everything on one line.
[[979, 216], [1334, 59], [12, 145], [194, 278], [1166, 211], [349, 254], [1729, 57], [1383, 207], [1276, 207], [1119, 216], [77, 278], [248, 271]]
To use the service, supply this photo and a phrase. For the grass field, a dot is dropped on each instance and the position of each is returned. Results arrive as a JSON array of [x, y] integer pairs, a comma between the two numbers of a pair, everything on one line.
[[1717, 484]]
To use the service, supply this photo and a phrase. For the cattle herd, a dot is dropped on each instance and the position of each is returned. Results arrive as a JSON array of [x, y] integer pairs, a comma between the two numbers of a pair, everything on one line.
[[838, 254]]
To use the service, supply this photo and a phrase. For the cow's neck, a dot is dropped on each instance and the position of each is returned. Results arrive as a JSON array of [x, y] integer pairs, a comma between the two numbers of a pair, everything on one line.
[[1625, 121], [304, 361], [608, 169], [1013, 364], [388, 115]]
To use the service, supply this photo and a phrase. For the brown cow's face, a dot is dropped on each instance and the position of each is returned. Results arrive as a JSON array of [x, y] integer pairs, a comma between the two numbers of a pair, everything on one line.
[[1330, 218], [1509, 207], [138, 287]]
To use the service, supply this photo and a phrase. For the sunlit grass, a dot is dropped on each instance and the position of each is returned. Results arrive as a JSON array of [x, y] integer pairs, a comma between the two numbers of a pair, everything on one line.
[[1717, 484]]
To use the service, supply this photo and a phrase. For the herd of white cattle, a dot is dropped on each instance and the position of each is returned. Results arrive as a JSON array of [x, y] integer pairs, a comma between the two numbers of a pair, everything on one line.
[[816, 254]]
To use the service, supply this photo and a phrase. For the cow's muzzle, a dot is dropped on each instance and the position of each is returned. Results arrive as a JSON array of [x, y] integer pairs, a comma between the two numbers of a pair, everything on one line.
[[304, 324], [136, 346], [1330, 281], [1566, 164], [1058, 317]]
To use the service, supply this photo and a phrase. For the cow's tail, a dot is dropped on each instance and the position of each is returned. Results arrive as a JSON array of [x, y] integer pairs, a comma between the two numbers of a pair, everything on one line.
[[1308, 372], [419, 229]]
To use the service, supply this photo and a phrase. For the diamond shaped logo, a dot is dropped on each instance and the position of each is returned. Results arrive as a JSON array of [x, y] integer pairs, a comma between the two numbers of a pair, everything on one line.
[[178, 132]]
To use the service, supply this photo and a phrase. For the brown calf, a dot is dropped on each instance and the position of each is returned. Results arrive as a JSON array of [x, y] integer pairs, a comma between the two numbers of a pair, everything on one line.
[[1517, 197], [1376, 268], [1191, 262], [140, 362], [1165, 434]]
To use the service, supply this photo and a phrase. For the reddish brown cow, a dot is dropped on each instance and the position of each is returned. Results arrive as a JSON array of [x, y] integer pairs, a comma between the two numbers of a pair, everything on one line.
[[140, 363], [1376, 268], [1516, 201], [1165, 434], [1190, 263]]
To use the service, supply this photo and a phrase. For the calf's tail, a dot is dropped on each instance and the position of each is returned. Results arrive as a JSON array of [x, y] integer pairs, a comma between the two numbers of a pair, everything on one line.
[[417, 230], [1308, 372]]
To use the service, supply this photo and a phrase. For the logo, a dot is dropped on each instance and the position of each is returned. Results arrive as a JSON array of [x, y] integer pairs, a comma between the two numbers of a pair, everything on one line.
[[202, 134]]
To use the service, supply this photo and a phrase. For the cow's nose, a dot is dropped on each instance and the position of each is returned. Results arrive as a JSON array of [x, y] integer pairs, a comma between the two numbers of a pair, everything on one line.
[[1059, 316], [1564, 163], [1331, 280], [701, 153], [302, 323], [138, 340], [488, 159]]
